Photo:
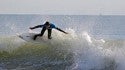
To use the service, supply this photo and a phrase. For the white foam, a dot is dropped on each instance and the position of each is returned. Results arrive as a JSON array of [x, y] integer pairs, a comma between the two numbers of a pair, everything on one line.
[[89, 53]]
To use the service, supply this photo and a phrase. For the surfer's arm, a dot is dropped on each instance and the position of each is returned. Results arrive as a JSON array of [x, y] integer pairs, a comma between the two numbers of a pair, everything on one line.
[[38, 26], [61, 30]]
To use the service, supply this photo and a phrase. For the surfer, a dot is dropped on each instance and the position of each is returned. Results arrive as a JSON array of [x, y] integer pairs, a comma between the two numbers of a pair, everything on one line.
[[47, 26]]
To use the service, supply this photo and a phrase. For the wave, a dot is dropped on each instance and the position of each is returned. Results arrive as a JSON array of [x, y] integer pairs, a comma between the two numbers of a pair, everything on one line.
[[75, 51]]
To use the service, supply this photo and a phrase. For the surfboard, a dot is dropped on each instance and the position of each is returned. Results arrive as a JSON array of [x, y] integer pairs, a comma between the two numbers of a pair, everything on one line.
[[29, 38]]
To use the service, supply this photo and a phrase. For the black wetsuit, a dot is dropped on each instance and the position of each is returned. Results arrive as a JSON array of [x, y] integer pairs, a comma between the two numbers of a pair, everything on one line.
[[44, 29]]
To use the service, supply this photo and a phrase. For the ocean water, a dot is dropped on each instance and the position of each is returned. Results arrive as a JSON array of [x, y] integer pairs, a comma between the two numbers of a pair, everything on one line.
[[93, 43]]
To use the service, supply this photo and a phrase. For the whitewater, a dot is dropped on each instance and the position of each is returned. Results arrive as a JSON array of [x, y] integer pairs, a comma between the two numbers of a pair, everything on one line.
[[93, 43]]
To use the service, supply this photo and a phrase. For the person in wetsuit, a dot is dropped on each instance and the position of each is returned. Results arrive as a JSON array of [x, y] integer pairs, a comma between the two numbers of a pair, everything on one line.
[[47, 26]]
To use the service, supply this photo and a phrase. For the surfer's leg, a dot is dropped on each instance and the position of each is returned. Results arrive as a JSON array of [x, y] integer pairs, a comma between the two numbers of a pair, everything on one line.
[[42, 31], [35, 36], [49, 33], [41, 34]]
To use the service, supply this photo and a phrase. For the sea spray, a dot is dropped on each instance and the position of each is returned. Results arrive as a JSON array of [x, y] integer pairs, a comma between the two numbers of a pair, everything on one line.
[[93, 43]]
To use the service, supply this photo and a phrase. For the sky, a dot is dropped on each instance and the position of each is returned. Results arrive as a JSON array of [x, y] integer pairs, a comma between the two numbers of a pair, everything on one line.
[[63, 7]]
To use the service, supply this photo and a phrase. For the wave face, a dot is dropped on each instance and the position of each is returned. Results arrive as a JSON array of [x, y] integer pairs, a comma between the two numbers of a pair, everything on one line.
[[93, 43]]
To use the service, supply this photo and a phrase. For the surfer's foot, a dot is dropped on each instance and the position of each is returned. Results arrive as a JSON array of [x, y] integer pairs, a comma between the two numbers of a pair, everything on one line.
[[34, 38], [49, 37]]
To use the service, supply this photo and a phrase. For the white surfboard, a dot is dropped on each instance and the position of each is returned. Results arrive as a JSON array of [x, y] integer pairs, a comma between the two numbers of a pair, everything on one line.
[[29, 38]]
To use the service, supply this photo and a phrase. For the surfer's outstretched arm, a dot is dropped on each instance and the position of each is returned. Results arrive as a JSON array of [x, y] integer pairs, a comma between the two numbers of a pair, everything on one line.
[[61, 30], [38, 26]]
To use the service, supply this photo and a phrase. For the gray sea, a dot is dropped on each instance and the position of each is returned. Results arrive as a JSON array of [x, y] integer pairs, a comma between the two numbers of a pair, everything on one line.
[[94, 42]]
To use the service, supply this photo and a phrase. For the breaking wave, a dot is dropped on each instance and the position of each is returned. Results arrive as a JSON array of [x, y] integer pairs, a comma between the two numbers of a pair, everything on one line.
[[63, 52]]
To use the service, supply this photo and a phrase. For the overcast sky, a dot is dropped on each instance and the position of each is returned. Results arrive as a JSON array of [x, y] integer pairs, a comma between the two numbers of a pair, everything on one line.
[[63, 7]]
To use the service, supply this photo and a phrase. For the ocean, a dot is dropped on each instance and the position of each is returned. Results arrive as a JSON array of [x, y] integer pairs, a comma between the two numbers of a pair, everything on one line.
[[94, 42]]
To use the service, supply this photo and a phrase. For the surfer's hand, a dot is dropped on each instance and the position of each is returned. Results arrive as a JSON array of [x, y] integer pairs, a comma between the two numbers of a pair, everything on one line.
[[31, 28], [65, 32]]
